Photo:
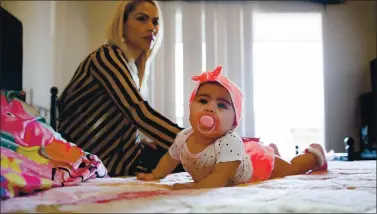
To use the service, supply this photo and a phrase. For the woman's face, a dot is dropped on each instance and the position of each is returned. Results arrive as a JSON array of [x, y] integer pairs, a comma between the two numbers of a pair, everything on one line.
[[142, 26], [212, 100]]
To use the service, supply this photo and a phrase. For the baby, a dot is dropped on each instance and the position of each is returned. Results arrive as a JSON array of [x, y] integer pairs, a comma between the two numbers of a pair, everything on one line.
[[213, 154]]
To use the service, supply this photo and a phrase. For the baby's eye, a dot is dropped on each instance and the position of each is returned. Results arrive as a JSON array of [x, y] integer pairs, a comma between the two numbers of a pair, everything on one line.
[[222, 105], [203, 101], [155, 22]]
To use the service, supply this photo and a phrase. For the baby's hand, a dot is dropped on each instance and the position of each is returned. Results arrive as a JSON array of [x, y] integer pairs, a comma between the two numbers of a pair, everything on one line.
[[178, 186], [145, 176]]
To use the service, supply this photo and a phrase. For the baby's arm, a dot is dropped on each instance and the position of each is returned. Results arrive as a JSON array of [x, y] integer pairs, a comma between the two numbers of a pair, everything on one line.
[[164, 167], [168, 162], [220, 177], [229, 150]]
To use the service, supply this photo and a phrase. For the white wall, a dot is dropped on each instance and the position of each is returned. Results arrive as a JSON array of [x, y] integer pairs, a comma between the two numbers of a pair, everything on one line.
[[349, 45], [37, 46], [56, 42], [56, 37], [100, 15], [72, 39]]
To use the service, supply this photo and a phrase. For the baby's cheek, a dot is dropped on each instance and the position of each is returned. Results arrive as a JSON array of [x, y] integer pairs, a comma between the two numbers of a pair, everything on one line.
[[196, 108], [226, 120], [195, 114], [226, 123]]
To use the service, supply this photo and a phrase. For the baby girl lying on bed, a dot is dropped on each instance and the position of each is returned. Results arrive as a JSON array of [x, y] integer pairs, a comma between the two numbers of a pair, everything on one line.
[[213, 154]]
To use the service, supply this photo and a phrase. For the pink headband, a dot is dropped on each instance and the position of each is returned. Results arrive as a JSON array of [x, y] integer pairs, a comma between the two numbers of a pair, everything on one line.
[[233, 89]]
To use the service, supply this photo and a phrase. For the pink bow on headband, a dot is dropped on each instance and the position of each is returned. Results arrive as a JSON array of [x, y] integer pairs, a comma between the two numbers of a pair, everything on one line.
[[208, 75]]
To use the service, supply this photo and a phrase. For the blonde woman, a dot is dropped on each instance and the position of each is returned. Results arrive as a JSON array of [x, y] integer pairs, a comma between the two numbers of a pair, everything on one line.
[[103, 108]]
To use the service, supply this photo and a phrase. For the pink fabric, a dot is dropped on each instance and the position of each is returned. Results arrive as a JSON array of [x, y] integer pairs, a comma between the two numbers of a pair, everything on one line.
[[35, 157], [262, 158], [233, 89]]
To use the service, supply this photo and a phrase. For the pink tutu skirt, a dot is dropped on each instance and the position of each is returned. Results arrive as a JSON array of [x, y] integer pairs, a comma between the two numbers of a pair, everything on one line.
[[262, 158]]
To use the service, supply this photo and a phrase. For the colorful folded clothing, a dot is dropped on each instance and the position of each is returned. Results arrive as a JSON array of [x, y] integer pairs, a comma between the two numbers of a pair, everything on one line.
[[34, 156]]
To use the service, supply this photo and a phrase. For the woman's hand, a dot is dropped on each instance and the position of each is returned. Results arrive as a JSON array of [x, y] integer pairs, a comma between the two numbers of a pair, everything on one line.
[[145, 176], [145, 142]]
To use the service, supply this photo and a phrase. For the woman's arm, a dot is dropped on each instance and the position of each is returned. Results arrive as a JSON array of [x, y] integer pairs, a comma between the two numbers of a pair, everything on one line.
[[109, 68]]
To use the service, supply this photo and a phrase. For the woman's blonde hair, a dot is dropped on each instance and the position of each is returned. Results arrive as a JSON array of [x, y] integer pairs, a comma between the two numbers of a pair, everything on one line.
[[114, 35]]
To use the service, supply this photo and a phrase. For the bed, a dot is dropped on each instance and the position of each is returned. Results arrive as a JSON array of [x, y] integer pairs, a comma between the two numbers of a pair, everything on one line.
[[348, 187]]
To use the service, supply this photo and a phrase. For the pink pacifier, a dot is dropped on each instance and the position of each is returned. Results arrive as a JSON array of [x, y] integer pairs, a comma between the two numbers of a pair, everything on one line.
[[207, 123]]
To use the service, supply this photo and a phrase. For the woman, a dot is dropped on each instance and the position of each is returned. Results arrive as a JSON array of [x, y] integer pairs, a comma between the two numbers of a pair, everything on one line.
[[103, 108]]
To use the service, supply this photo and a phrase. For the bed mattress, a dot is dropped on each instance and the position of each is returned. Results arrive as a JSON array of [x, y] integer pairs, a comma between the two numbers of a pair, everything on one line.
[[347, 187]]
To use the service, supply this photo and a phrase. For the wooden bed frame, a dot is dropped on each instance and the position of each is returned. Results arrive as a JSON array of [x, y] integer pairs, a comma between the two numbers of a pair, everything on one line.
[[54, 114]]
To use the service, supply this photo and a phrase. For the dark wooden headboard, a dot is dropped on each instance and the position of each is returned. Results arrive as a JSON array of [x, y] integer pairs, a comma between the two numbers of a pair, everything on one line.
[[54, 107]]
